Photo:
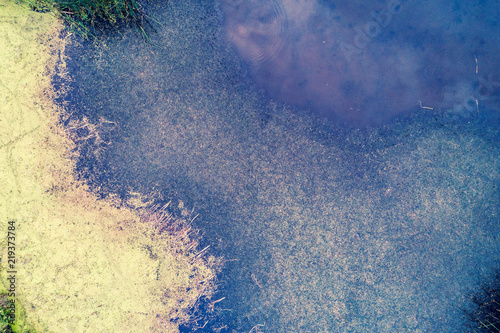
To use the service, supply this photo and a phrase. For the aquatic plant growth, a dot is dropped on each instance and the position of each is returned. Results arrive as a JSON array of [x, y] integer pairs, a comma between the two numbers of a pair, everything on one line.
[[88, 16]]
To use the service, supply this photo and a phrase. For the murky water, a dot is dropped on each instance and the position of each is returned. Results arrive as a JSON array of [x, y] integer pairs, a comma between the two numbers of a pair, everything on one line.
[[249, 112]]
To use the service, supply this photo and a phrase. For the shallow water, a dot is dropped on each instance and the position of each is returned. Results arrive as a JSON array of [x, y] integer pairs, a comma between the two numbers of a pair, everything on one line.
[[329, 221]]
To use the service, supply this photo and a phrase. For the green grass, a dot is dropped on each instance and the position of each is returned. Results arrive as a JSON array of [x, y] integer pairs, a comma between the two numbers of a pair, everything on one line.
[[87, 17], [4, 314]]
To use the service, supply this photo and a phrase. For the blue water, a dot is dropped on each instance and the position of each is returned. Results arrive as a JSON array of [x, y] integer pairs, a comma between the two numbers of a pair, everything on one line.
[[365, 62], [348, 192]]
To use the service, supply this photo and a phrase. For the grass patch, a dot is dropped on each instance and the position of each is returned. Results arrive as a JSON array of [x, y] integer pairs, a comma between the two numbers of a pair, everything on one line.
[[89, 17], [4, 314]]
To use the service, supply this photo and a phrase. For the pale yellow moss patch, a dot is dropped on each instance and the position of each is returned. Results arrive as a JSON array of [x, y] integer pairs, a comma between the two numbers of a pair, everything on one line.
[[83, 265]]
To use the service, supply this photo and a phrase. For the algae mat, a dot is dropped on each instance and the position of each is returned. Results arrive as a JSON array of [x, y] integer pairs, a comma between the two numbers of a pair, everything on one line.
[[75, 263]]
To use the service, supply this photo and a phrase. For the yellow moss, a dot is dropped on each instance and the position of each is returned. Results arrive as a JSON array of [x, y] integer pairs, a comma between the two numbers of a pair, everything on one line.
[[83, 265]]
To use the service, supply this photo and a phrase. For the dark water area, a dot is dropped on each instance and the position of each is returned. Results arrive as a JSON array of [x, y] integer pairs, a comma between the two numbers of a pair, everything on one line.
[[383, 220], [365, 62]]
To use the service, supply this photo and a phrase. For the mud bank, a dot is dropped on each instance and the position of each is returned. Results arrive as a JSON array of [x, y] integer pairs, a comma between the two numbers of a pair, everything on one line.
[[79, 264]]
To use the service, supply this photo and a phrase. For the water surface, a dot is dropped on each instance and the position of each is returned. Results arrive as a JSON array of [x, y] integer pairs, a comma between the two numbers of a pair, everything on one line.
[[340, 201]]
